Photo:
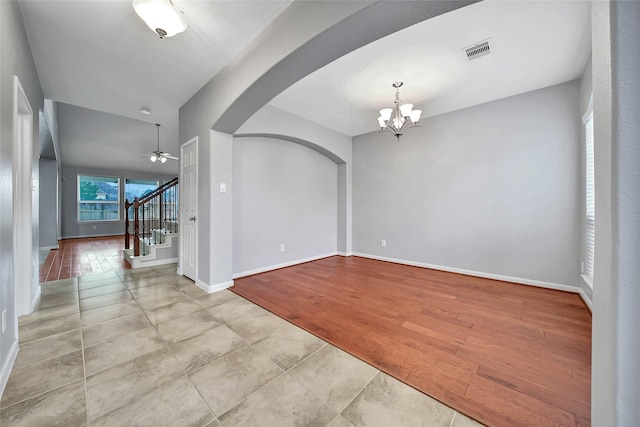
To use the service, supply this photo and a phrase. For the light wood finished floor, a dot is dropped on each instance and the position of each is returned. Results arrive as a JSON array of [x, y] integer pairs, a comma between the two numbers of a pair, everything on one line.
[[502, 353], [83, 257]]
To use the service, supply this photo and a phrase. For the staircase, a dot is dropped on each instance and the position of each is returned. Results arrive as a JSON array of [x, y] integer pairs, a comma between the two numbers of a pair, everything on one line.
[[151, 225]]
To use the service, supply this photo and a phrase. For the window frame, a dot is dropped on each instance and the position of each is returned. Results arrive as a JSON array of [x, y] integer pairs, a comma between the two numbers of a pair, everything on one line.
[[79, 201], [130, 211], [589, 195]]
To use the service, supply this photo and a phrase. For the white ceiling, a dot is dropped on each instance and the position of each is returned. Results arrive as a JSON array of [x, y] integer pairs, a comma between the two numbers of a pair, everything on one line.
[[97, 54], [535, 44]]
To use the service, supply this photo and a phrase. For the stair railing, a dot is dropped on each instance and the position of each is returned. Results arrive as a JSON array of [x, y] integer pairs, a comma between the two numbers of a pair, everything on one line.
[[154, 216]]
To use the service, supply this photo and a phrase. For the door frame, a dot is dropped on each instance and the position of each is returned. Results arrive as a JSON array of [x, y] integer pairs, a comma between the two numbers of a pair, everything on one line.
[[182, 195], [26, 291]]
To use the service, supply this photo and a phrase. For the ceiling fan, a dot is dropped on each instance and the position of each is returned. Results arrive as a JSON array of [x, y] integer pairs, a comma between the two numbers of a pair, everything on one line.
[[158, 155]]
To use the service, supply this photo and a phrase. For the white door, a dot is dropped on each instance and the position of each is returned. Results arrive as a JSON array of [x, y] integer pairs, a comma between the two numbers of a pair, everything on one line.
[[189, 209]]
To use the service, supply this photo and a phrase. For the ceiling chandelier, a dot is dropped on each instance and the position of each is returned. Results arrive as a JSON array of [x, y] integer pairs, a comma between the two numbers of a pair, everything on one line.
[[399, 118], [161, 16]]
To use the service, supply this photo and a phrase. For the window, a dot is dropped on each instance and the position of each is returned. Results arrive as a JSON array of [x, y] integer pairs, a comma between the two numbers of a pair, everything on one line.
[[590, 211], [98, 198], [137, 188]]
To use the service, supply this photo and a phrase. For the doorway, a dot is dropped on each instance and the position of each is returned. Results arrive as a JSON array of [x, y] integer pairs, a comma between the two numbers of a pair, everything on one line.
[[26, 288]]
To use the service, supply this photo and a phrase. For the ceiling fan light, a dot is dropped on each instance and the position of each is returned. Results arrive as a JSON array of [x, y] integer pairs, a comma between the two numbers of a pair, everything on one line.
[[163, 159], [161, 16], [153, 157], [405, 110]]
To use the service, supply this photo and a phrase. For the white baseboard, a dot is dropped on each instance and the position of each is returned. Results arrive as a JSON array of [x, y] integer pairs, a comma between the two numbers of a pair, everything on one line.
[[344, 253], [155, 262], [519, 280], [8, 366], [214, 288], [48, 248], [36, 299], [283, 265], [586, 299], [84, 236]]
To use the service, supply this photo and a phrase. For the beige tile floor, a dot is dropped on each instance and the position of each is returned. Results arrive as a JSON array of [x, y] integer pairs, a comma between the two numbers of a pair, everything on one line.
[[148, 348]]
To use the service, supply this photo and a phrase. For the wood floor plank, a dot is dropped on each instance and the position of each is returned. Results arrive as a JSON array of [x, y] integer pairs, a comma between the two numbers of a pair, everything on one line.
[[502, 353], [86, 256]]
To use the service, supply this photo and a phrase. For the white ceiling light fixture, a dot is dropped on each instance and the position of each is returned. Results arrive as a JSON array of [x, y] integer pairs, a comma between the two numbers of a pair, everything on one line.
[[158, 155], [161, 16], [399, 118]]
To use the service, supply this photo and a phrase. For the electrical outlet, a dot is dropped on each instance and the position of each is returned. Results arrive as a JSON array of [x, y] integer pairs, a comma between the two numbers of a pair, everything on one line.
[[4, 320], [282, 247], [383, 243]]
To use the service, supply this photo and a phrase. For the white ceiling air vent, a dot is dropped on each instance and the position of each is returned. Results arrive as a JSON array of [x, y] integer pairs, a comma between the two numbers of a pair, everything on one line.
[[478, 49]]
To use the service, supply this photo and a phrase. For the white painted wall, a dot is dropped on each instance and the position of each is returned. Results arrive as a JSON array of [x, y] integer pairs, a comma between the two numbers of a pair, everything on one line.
[[490, 189], [284, 193], [16, 60]]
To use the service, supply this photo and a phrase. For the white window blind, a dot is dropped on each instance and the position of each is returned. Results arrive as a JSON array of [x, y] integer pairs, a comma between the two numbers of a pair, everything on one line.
[[590, 232]]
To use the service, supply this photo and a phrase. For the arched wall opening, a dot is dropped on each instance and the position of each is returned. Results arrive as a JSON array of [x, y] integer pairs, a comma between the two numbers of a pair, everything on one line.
[[288, 202]]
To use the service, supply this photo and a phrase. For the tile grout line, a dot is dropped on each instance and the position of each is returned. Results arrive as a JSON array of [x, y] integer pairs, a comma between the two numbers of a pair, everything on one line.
[[2, 407], [84, 363], [453, 418], [167, 348], [361, 390]]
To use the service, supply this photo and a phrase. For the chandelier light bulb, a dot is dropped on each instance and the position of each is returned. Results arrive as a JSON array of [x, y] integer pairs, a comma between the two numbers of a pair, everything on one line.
[[385, 113], [405, 110]]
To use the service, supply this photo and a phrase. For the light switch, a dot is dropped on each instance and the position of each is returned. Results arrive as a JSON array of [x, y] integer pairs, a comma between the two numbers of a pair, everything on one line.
[[223, 187]]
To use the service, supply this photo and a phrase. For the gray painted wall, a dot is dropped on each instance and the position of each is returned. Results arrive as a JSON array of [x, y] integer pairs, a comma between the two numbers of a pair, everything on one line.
[[305, 37], [51, 115], [283, 194], [70, 226], [16, 60], [336, 146], [492, 189], [48, 204], [615, 385]]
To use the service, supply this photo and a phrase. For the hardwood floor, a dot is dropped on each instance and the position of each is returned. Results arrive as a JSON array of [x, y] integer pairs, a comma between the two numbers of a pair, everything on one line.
[[82, 257], [502, 353]]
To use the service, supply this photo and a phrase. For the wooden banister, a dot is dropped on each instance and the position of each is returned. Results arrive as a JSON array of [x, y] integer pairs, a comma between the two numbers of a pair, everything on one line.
[[153, 211]]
